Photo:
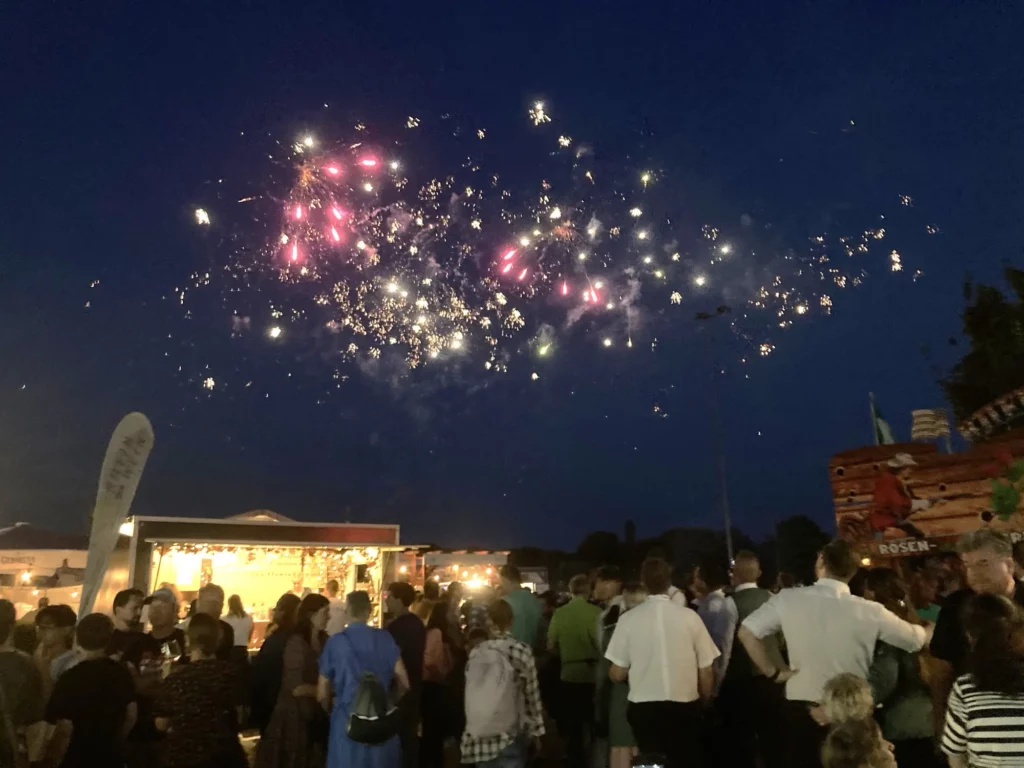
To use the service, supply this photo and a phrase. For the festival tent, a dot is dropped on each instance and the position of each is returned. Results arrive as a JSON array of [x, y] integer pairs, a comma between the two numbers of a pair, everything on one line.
[[258, 555]]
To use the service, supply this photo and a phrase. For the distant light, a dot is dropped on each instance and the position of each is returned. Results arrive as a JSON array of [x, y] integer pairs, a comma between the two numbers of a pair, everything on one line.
[[700, 281], [801, 309], [642, 234], [556, 213], [394, 165], [437, 577], [524, 241], [274, 332], [202, 217], [543, 351], [368, 187], [607, 342], [361, 245], [404, 569], [465, 573], [26, 576], [582, 256], [308, 140], [726, 249], [648, 259], [865, 561]]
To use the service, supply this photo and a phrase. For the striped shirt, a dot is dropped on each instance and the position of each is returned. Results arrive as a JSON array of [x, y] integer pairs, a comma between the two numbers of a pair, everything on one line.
[[986, 726]]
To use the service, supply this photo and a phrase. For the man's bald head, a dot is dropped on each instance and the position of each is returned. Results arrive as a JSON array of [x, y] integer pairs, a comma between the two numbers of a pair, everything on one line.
[[747, 569]]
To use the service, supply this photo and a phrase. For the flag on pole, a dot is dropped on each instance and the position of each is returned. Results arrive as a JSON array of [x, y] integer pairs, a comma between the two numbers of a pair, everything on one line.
[[883, 433], [929, 424], [119, 477]]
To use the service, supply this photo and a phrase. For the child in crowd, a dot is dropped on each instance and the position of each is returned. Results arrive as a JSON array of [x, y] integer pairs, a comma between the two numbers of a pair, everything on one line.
[[847, 699], [857, 744]]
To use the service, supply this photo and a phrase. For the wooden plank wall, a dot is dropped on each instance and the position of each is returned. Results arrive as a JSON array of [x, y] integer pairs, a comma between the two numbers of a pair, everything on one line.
[[960, 484]]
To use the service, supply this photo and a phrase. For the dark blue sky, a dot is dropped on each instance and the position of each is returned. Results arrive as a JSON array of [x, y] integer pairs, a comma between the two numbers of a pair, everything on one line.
[[115, 116]]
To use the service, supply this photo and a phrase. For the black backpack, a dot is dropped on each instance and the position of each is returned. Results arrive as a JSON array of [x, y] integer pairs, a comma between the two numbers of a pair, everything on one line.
[[374, 717]]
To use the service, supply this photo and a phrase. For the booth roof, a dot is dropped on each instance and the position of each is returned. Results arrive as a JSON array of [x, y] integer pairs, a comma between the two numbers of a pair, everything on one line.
[[25, 536]]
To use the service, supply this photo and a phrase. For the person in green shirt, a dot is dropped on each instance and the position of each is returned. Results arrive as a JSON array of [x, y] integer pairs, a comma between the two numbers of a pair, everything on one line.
[[526, 609], [573, 636]]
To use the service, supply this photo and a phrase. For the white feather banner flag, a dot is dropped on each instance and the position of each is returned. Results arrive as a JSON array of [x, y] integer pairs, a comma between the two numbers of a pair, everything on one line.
[[119, 478]]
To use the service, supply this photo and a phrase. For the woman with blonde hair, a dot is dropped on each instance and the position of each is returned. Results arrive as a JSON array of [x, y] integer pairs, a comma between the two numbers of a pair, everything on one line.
[[611, 698], [857, 744]]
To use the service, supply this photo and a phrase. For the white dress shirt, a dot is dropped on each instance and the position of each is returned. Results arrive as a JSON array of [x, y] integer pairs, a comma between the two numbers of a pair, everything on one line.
[[663, 645], [720, 615], [828, 632]]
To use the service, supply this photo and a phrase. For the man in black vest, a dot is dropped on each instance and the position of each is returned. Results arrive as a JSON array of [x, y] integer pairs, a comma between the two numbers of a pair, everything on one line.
[[749, 702]]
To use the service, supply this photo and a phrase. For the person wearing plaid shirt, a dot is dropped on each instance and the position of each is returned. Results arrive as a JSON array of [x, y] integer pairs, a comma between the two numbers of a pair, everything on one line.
[[509, 750]]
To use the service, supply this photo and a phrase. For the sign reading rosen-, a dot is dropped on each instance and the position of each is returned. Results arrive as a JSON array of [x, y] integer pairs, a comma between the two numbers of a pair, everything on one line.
[[906, 547]]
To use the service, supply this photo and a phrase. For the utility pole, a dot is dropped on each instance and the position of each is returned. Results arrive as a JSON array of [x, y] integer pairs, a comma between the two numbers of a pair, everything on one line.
[[716, 417]]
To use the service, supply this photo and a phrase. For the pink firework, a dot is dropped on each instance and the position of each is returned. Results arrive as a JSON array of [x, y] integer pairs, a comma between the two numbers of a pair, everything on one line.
[[368, 162], [507, 268], [337, 212], [522, 275], [295, 252], [297, 213], [333, 170], [335, 236], [565, 288]]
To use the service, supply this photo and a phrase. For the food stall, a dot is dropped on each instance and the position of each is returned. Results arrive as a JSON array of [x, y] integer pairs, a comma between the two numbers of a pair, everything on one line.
[[258, 556], [474, 570]]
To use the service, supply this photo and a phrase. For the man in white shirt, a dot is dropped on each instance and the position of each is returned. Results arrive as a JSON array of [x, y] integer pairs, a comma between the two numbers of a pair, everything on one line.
[[666, 653], [337, 616], [828, 632], [718, 613]]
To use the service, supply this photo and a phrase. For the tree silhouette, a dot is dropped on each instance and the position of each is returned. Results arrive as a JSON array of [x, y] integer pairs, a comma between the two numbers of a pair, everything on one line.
[[798, 541], [601, 547], [994, 365]]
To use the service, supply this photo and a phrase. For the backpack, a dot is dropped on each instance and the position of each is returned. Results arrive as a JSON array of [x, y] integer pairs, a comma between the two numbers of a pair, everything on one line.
[[373, 718], [492, 693]]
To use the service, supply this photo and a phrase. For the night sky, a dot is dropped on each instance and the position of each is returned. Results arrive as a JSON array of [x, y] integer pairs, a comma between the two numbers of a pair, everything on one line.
[[116, 117]]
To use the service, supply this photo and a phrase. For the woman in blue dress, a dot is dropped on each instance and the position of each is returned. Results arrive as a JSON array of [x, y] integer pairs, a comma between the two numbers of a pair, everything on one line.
[[357, 649]]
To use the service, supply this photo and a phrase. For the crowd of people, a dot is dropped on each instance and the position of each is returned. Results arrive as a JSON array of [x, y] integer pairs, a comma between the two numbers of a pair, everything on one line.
[[865, 668]]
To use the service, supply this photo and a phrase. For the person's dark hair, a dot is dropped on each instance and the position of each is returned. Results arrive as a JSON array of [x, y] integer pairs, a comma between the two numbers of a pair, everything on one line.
[[61, 616], [204, 633], [122, 598], [840, 560], [403, 592], [510, 573], [713, 572], [358, 605], [307, 608], [439, 620], [995, 629], [885, 584], [8, 617], [609, 573], [656, 575], [500, 613], [93, 632], [25, 638], [285, 611], [235, 607], [432, 590]]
